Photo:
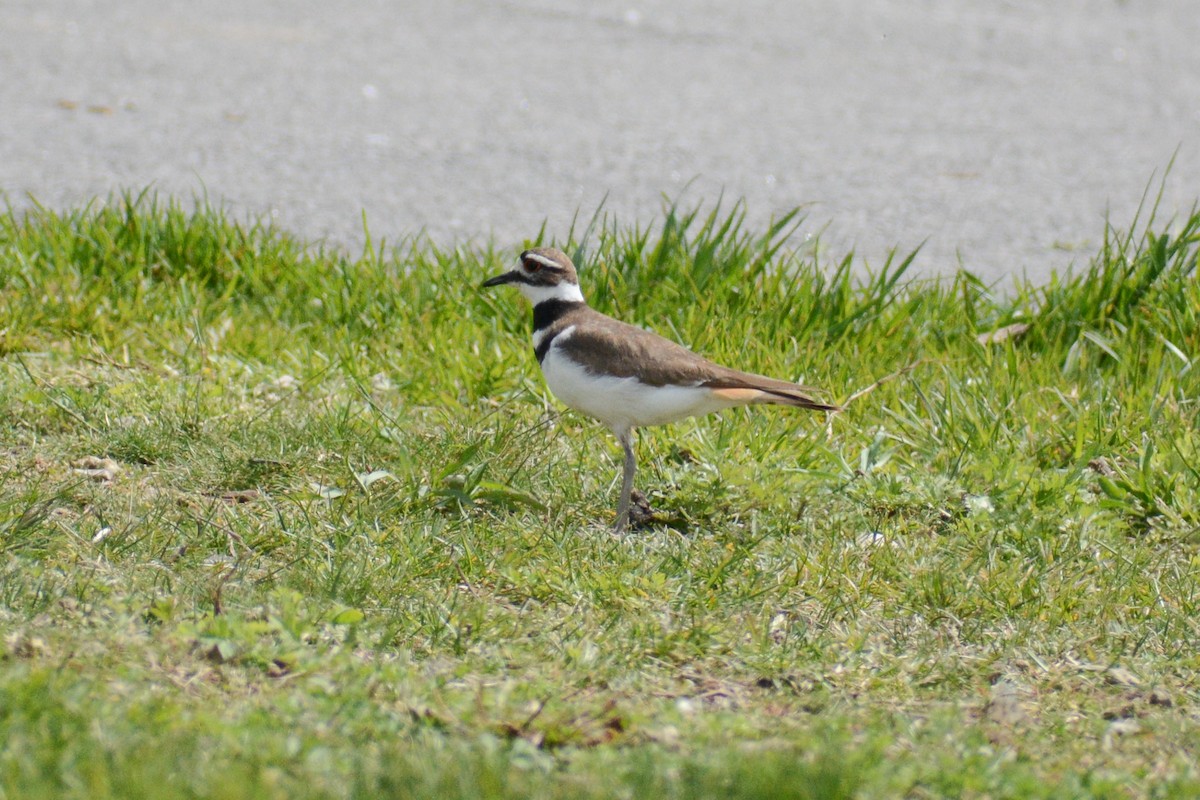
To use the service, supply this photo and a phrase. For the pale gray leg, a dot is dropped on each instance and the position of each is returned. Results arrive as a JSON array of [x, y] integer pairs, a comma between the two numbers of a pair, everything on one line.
[[626, 439]]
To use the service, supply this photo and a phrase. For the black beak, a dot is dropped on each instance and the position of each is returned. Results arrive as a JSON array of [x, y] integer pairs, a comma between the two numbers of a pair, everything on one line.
[[507, 277]]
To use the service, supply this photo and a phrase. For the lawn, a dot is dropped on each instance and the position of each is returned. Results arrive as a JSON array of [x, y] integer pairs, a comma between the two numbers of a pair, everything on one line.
[[278, 521]]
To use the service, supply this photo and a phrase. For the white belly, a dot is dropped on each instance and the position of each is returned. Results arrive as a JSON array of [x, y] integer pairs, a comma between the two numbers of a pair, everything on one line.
[[623, 402]]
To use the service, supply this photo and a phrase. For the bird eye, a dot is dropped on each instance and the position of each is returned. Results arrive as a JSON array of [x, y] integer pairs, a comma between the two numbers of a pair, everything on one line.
[[532, 266]]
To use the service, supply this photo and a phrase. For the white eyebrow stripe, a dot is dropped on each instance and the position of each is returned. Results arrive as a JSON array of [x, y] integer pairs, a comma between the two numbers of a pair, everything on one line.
[[544, 261]]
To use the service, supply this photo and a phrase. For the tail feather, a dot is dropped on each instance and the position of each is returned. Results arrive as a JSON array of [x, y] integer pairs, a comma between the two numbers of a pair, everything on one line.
[[787, 398], [769, 390]]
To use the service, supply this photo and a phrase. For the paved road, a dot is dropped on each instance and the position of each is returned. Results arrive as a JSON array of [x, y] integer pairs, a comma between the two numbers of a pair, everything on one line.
[[1001, 131]]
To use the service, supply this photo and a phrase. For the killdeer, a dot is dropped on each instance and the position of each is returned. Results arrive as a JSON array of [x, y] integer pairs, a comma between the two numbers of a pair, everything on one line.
[[622, 375]]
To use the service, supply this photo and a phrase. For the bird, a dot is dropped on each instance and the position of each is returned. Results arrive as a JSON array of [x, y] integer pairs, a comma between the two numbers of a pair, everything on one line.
[[622, 375]]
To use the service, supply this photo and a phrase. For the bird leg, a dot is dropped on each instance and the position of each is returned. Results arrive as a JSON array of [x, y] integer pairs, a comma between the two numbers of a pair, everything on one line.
[[626, 439]]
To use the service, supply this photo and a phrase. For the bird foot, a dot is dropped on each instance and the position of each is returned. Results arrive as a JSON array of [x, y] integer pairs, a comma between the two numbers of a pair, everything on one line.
[[640, 511], [639, 515]]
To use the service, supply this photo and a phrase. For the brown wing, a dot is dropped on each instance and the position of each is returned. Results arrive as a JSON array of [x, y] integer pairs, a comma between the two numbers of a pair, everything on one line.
[[603, 344]]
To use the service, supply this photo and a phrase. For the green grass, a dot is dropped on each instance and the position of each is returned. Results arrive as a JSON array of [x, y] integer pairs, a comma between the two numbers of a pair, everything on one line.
[[352, 548]]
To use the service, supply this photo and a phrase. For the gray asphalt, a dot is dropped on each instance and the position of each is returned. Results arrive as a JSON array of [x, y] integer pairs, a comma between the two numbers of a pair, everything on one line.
[[1003, 133]]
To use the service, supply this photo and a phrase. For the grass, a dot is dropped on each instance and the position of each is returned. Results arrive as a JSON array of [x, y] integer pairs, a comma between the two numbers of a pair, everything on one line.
[[280, 522]]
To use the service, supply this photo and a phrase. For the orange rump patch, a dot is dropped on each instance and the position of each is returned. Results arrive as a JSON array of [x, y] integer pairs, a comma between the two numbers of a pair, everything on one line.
[[739, 395]]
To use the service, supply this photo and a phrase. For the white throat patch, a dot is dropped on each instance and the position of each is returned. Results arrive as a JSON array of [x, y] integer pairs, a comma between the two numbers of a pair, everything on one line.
[[559, 291]]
